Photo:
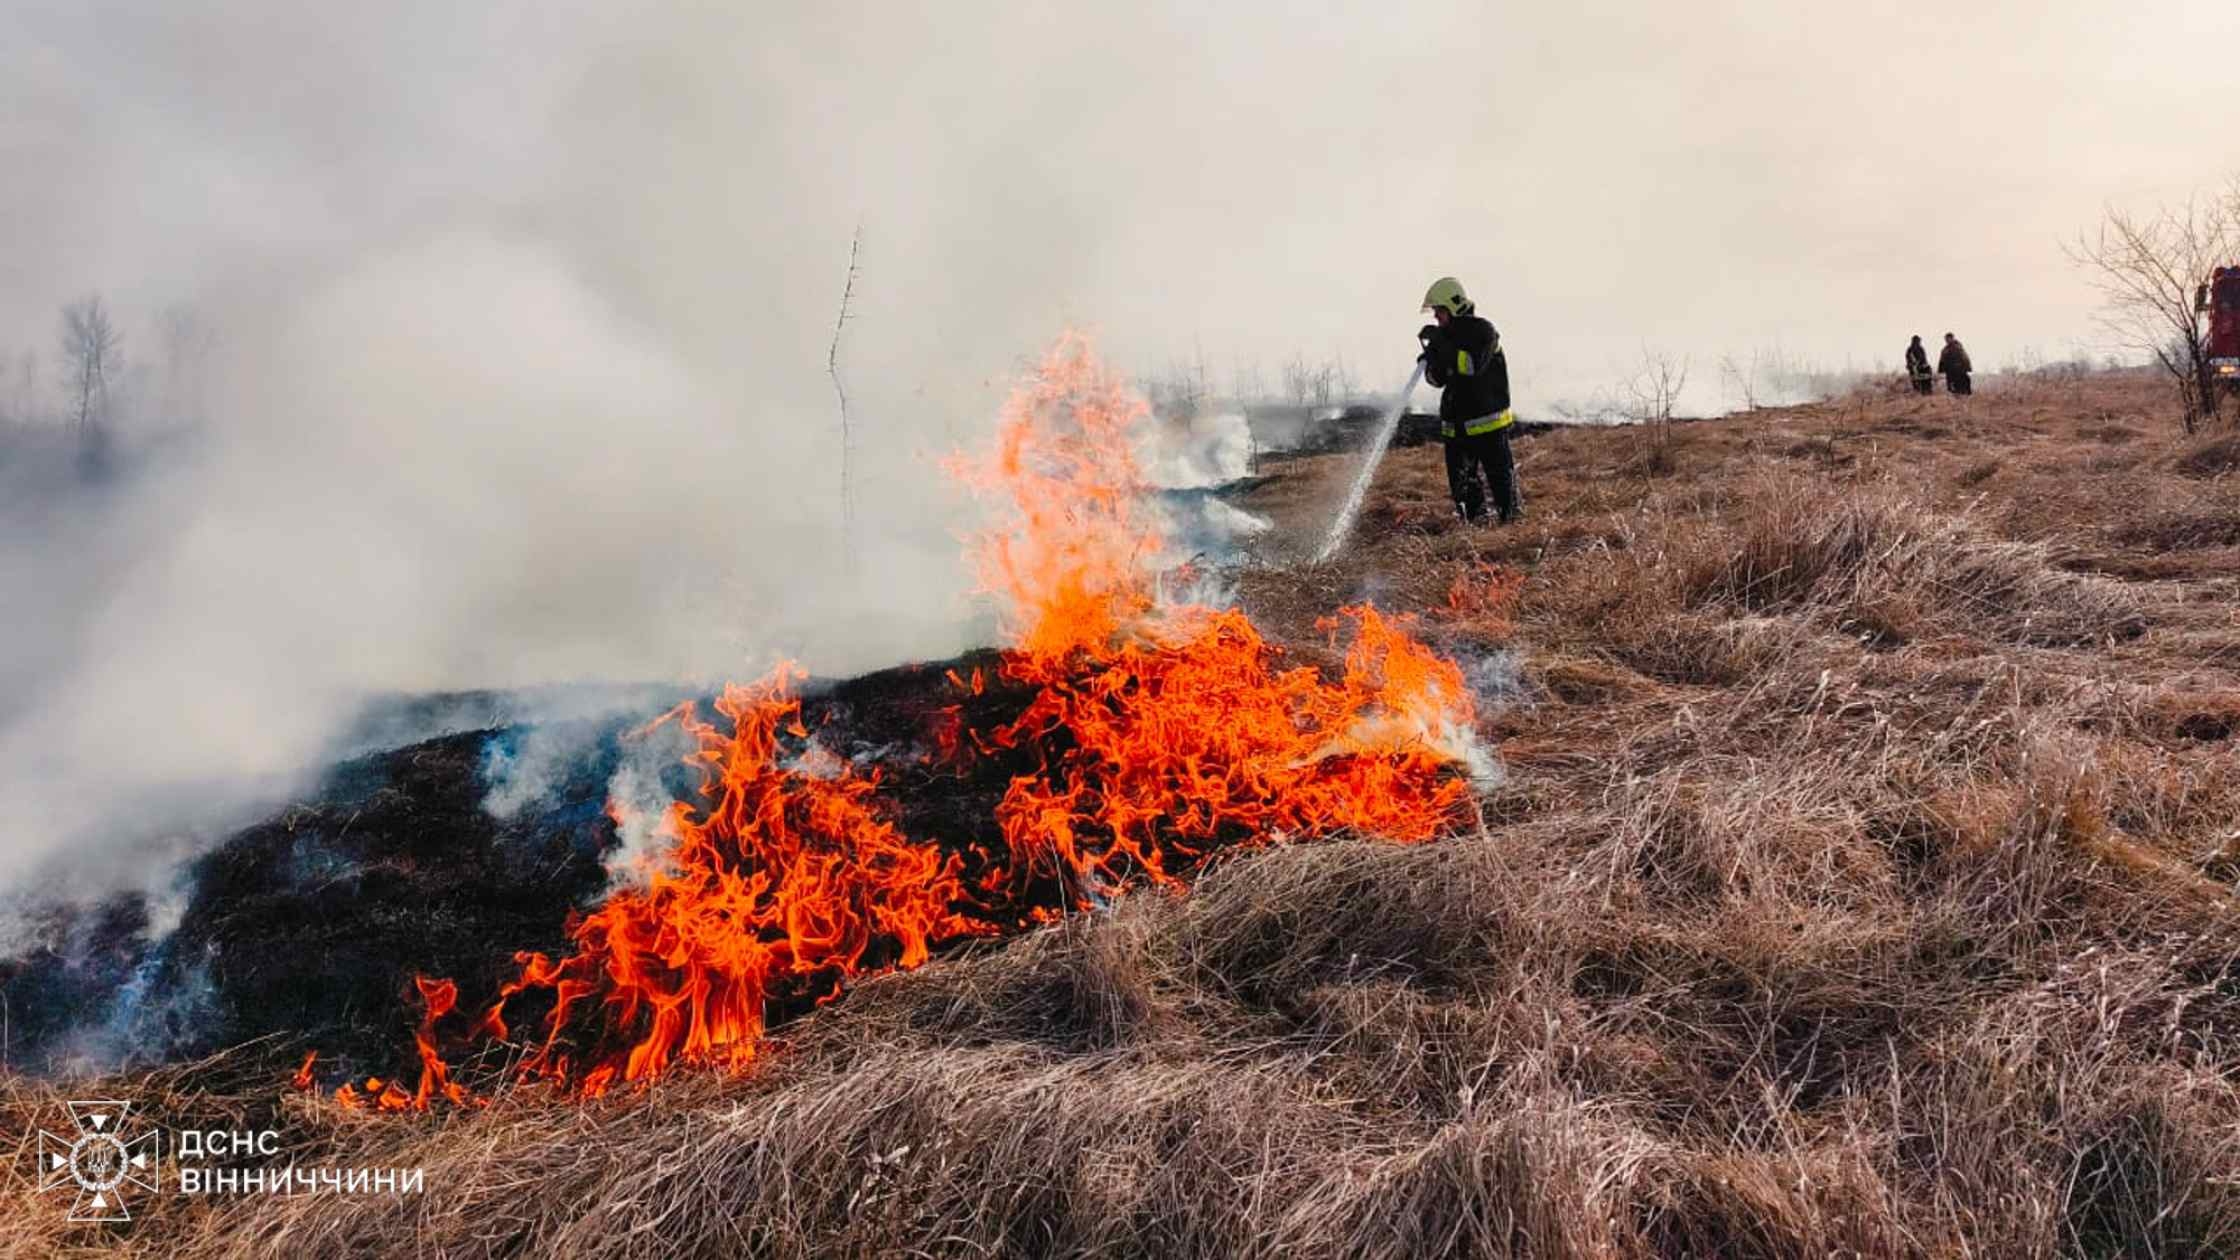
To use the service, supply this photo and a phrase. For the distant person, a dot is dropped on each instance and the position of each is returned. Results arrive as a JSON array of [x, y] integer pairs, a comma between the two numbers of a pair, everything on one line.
[[1953, 365], [1917, 367], [1462, 356]]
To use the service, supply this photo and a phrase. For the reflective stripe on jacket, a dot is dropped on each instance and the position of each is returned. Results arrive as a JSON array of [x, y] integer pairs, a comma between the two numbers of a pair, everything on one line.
[[1483, 424], [1464, 359]]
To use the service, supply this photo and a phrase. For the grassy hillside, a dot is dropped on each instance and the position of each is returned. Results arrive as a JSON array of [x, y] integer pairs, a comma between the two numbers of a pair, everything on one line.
[[1861, 883]]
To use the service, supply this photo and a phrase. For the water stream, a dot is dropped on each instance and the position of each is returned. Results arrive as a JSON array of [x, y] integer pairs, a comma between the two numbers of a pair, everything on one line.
[[1369, 460]]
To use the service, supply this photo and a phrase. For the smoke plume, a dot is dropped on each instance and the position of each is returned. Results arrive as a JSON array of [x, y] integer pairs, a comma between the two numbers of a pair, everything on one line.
[[521, 313]]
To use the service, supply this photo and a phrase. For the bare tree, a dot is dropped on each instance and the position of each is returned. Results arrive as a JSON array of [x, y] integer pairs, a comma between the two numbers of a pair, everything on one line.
[[1321, 384], [1247, 385], [1298, 380], [2149, 269], [1743, 381], [1770, 376], [1654, 388], [1169, 394], [89, 352], [1650, 395], [1181, 393]]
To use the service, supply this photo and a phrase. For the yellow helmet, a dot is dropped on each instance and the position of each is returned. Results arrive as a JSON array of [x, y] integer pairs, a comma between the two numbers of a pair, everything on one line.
[[1446, 293]]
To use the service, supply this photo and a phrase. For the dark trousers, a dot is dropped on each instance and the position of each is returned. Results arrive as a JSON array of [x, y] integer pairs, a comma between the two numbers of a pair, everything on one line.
[[1923, 383], [1957, 383], [1470, 455]]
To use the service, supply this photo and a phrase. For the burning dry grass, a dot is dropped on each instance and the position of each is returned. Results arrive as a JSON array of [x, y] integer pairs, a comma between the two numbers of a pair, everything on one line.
[[1861, 884], [1155, 738]]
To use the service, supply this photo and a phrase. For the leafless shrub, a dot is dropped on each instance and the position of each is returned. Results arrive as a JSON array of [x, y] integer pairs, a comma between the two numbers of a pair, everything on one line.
[[1772, 375], [1182, 392], [89, 351], [1651, 393], [1320, 384], [1742, 381], [2149, 269]]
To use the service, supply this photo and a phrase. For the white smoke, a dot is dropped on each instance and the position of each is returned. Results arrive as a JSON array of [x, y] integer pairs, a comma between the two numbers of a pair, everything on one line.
[[639, 799], [528, 769], [1187, 458], [524, 309], [1195, 453], [1234, 521]]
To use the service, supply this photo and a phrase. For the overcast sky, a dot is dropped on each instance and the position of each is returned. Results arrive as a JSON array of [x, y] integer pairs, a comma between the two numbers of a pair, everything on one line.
[[524, 307], [1248, 181]]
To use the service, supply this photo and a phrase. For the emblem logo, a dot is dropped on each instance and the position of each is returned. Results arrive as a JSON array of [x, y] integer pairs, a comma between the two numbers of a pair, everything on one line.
[[102, 1159]]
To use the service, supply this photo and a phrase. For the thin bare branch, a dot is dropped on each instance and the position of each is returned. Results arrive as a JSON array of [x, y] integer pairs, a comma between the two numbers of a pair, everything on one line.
[[832, 368], [2147, 270]]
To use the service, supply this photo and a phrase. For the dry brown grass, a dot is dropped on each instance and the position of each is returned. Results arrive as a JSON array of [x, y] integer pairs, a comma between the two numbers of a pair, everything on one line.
[[1862, 885]]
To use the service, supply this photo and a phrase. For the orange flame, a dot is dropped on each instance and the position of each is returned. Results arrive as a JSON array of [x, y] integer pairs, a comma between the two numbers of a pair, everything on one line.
[[437, 998], [1158, 735], [1071, 554], [1181, 746], [1487, 593], [783, 884], [1182, 733]]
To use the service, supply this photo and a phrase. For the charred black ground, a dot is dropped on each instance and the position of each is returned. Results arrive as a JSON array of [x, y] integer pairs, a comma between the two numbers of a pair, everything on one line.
[[309, 926]]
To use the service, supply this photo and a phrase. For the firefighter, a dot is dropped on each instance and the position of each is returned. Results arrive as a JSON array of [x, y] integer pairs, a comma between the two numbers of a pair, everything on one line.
[[1953, 365], [1462, 357], [1917, 367]]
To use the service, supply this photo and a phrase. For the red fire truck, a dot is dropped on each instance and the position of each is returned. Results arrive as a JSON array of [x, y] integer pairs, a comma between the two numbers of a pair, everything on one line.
[[2219, 299]]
